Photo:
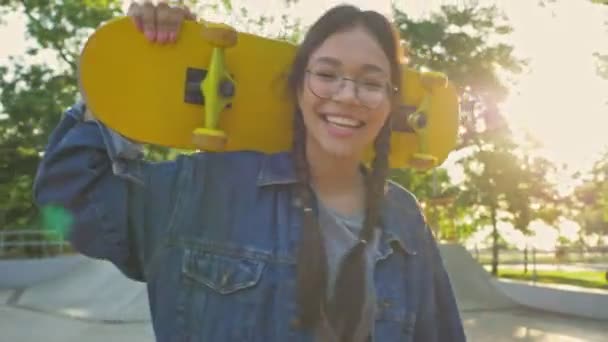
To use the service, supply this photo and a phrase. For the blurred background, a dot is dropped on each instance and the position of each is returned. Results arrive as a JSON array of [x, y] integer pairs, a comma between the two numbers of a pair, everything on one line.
[[525, 192]]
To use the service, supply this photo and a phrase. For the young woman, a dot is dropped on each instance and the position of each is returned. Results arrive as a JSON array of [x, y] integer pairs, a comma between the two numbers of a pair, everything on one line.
[[306, 245]]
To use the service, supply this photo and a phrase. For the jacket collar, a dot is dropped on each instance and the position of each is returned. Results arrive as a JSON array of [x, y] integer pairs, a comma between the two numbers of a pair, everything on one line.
[[278, 169]]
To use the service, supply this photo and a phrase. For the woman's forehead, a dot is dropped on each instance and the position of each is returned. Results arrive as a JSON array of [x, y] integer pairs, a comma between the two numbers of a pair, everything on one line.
[[337, 63], [354, 48]]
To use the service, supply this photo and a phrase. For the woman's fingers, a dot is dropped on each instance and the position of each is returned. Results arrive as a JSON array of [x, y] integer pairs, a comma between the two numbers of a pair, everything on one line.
[[160, 23]]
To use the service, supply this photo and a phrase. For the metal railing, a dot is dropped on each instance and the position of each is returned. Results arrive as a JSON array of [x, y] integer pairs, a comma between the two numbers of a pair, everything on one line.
[[32, 242], [558, 256]]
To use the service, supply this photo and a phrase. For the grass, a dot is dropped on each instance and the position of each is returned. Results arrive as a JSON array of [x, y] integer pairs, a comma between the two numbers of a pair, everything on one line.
[[589, 279]]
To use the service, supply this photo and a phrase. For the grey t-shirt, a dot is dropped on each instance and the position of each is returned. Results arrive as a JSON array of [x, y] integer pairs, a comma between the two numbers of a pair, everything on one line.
[[340, 234]]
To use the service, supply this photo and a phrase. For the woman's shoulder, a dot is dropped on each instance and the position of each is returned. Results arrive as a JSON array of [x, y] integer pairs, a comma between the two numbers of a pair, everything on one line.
[[229, 165], [406, 215], [400, 197], [228, 158]]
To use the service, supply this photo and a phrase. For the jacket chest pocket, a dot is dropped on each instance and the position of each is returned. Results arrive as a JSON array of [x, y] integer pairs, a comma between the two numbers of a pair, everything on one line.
[[222, 274], [222, 298]]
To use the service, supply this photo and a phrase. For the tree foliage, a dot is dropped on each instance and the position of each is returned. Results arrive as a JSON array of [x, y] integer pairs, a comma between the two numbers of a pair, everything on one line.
[[590, 202], [34, 95], [502, 180], [463, 43]]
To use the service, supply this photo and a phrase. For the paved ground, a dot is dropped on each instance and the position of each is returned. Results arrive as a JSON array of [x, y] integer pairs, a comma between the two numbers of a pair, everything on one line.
[[76, 308], [527, 325], [489, 315]]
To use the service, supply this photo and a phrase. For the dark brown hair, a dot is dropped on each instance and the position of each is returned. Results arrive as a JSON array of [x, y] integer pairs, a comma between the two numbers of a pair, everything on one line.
[[347, 305]]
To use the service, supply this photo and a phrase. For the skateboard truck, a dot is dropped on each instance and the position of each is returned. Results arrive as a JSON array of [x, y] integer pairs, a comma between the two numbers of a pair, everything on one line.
[[418, 121], [217, 88]]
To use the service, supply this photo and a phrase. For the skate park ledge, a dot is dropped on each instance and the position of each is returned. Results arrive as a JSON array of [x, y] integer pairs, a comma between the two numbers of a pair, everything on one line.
[[24, 273], [562, 299]]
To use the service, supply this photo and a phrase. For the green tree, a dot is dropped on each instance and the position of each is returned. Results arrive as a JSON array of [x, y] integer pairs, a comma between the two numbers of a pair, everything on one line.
[[490, 177], [464, 43], [237, 14], [505, 181], [34, 95], [591, 199], [602, 64], [500, 184], [602, 58]]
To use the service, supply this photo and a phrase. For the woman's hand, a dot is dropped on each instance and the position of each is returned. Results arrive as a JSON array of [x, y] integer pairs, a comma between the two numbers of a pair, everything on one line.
[[160, 23]]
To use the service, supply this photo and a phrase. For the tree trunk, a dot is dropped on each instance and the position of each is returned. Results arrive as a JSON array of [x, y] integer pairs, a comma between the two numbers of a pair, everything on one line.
[[494, 244], [526, 260]]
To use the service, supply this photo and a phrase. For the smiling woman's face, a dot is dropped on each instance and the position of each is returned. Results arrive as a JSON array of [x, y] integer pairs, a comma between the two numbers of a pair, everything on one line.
[[342, 118]]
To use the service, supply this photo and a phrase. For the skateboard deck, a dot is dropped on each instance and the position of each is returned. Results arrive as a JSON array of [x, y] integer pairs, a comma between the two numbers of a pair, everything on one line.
[[156, 94]]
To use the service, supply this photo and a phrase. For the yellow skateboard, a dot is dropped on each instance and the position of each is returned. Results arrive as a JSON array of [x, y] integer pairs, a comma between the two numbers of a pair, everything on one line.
[[220, 90]]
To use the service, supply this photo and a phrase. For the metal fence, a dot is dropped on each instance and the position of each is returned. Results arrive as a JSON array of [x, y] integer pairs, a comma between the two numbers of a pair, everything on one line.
[[594, 257], [32, 243]]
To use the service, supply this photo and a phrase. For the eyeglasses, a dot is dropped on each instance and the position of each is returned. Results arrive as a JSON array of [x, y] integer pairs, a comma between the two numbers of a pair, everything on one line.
[[369, 91]]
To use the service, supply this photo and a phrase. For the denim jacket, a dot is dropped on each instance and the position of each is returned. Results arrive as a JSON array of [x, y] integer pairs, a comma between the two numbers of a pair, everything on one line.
[[214, 235]]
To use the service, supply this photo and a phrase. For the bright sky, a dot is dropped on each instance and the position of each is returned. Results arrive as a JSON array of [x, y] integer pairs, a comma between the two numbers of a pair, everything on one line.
[[561, 100]]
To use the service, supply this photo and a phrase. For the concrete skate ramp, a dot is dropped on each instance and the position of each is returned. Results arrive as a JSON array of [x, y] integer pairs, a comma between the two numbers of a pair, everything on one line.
[[94, 290], [473, 286]]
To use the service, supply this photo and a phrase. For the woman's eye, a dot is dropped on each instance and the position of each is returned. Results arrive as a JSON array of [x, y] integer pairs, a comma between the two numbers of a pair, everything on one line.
[[329, 76], [372, 85]]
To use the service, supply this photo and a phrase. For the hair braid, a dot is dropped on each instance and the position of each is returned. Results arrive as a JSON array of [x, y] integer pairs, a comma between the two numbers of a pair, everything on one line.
[[311, 260]]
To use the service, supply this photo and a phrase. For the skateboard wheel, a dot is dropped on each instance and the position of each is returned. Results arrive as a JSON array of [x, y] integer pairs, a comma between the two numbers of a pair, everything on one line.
[[431, 80], [227, 88], [417, 121], [220, 35], [209, 140], [420, 161]]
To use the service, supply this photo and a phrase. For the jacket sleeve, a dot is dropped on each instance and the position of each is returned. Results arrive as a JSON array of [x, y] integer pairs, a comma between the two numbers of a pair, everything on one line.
[[439, 317], [115, 201]]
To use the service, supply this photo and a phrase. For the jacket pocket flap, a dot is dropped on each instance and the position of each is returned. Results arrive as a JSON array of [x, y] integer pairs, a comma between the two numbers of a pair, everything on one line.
[[224, 274]]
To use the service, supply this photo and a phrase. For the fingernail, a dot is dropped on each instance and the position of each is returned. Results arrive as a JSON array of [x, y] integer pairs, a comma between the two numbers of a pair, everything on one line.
[[162, 37], [150, 35]]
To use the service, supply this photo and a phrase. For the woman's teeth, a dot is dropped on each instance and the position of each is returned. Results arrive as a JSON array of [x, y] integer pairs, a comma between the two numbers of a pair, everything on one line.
[[343, 122]]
